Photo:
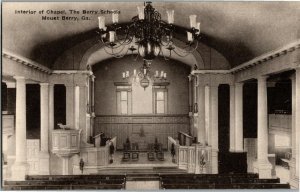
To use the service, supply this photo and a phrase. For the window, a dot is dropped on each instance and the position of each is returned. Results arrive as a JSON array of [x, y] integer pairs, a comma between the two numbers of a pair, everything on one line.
[[160, 102], [282, 141], [124, 103]]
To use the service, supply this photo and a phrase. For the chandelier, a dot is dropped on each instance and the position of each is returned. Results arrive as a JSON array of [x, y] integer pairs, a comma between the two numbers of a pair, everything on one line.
[[144, 76], [146, 35]]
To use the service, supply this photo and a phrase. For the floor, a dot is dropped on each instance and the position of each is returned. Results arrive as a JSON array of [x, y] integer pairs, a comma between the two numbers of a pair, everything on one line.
[[283, 173]]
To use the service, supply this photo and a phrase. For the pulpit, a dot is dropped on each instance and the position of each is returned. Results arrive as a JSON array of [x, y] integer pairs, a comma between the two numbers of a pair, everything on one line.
[[66, 142], [185, 139], [97, 140]]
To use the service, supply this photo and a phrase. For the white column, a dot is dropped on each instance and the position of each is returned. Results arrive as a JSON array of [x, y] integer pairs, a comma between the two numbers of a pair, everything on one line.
[[70, 94], [44, 116], [294, 163], [190, 95], [93, 94], [232, 119], [195, 107], [239, 145], [92, 105], [83, 112], [214, 127], [262, 166], [76, 107], [297, 124], [207, 115], [20, 167], [44, 154], [51, 112], [201, 134]]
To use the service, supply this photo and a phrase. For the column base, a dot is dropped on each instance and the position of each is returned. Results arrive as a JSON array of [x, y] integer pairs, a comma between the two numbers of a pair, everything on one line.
[[19, 170], [294, 183], [294, 179], [214, 161], [44, 164], [263, 168]]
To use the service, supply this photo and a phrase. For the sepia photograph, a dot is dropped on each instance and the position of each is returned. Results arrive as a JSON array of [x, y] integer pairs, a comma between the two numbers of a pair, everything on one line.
[[160, 95]]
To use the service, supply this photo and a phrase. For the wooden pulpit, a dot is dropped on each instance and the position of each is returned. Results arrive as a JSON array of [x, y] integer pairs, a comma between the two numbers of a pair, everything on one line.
[[97, 139]]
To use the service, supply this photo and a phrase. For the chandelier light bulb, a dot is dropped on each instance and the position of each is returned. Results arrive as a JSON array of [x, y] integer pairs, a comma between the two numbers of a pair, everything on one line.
[[198, 28], [127, 73], [145, 71], [189, 36], [141, 12], [165, 75], [170, 14], [123, 75], [193, 21], [134, 72], [141, 50], [161, 73], [101, 22], [115, 17], [156, 73], [111, 36]]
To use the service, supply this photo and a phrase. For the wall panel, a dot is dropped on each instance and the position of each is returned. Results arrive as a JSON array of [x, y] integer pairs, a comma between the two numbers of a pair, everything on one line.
[[142, 129]]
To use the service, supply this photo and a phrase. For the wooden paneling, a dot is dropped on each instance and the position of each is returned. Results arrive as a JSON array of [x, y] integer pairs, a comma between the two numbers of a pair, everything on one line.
[[141, 129]]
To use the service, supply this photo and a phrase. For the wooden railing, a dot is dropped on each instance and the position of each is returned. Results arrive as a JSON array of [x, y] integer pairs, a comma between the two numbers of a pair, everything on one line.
[[141, 129]]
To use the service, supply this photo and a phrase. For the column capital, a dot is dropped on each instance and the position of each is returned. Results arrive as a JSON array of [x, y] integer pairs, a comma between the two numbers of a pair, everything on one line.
[[19, 78], [93, 77], [214, 84], [262, 78], [239, 84], [44, 84], [190, 76]]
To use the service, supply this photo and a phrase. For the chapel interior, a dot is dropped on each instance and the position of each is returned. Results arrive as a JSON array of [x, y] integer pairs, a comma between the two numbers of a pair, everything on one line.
[[226, 115]]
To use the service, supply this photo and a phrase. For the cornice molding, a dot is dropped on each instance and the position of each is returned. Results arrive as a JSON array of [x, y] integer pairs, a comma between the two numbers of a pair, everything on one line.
[[249, 64], [27, 62], [69, 72], [253, 62], [267, 56]]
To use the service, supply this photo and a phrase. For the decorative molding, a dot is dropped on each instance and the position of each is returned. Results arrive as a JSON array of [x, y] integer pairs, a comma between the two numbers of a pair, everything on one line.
[[267, 56], [122, 84], [164, 84], [25, 61], [68, 72], [194, 72], [253, 62]]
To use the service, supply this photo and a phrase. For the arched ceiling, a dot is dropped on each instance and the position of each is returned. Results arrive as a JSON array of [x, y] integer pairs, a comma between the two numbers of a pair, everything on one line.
[[238, 30]]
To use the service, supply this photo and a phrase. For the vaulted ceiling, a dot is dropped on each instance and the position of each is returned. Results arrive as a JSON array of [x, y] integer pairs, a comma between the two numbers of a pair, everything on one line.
[[238, 30]]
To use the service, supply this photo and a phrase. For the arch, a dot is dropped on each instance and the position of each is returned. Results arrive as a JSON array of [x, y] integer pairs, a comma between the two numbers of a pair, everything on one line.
[[96, 54]]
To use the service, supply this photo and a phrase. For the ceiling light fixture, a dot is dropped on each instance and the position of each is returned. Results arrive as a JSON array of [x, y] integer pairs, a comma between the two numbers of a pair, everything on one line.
[[146, 35]]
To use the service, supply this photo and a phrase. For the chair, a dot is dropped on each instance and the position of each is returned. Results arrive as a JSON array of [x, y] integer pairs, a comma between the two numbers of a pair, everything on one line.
[[126, 156], [135, 156], [151, 156], [160, 155]]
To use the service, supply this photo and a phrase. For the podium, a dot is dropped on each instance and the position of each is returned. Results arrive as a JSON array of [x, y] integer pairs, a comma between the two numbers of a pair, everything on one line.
[[184, 139], [97, 140]]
